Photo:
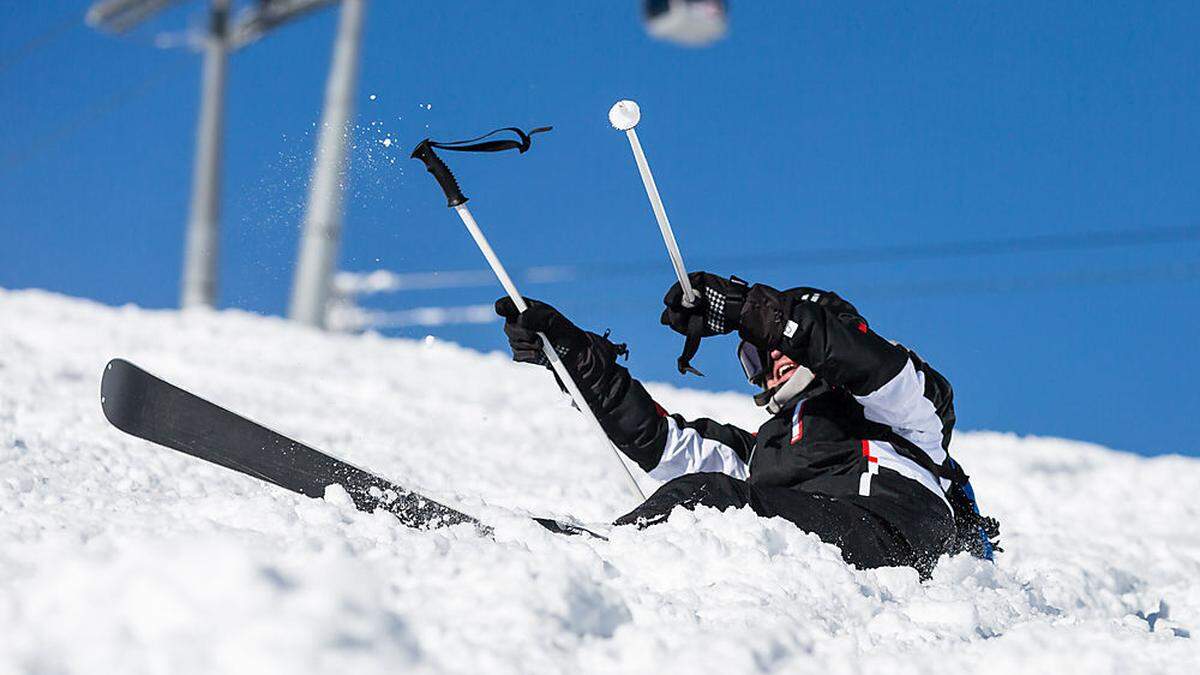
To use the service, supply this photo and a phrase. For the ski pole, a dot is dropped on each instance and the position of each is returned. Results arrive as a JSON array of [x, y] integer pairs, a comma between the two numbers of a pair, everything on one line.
[[624, 116], [456, 200]]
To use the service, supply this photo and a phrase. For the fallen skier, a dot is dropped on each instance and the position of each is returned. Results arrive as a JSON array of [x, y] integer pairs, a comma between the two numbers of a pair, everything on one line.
[[856, 448]]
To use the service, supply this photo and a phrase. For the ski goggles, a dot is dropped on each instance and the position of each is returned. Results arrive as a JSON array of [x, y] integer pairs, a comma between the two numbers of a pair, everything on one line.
[[754, 362]]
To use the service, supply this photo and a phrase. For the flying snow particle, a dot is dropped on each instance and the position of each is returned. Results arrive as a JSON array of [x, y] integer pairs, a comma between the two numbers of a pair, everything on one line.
[[387, 142], [372, 97]]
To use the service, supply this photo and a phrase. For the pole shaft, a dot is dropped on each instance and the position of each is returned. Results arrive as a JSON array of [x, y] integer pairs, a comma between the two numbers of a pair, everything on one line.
[[323, 217], [547, 348], [660, 214], [199, 282]]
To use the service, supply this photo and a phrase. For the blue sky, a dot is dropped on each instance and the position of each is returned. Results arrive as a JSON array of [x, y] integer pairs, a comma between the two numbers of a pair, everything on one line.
[[866, 149]]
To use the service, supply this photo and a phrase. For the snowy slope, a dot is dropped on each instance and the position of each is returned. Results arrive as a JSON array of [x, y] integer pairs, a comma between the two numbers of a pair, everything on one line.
[[119, 557]]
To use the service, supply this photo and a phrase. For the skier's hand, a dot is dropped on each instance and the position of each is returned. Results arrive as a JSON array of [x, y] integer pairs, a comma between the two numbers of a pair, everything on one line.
[[522, 329], [719, 302]]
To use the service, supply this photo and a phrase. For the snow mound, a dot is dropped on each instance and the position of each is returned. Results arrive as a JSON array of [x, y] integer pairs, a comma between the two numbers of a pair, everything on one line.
[[120, 557]]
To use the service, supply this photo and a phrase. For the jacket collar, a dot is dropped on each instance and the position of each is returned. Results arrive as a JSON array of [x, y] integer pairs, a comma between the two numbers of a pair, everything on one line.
[[800, 386]]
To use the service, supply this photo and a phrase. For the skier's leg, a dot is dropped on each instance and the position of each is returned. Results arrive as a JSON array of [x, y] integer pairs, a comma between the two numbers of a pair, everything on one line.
[[689, 491], [868, 533]]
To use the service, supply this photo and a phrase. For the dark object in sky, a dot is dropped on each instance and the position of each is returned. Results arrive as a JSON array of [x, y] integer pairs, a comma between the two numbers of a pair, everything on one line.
[[694, 23]]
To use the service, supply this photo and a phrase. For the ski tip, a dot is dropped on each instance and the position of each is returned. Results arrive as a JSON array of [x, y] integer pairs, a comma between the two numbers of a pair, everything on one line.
[[118, 362], [119, 399], [569, 529]]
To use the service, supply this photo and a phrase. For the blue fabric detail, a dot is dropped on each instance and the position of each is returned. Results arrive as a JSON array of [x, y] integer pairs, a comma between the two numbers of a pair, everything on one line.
[[983, 538]]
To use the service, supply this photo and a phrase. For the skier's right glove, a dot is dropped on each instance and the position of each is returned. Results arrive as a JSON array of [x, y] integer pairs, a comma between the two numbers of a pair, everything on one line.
[[522, 329], [719, 304]]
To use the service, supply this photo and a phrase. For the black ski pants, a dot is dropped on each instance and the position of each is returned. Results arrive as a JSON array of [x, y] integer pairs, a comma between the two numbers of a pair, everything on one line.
[[868, 533]]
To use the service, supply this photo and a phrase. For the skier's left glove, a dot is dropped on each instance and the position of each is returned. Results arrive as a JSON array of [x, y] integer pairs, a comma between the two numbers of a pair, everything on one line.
[[590, 359], [719, 305], [522, 329]]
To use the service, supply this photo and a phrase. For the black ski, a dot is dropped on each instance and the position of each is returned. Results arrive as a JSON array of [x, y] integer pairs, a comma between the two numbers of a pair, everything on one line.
[[145, 406]]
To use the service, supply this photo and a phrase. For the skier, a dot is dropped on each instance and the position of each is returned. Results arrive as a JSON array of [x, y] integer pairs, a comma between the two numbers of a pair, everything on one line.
[[856, 448]]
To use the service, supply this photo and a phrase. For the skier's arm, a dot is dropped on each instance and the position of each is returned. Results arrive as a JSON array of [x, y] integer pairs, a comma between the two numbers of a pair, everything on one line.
[[815, 328], [821, 331], [665, 446]]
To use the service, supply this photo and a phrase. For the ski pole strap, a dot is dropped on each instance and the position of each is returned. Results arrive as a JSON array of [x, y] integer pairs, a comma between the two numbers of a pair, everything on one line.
[[691, 345], [481, 144], [442, 174]]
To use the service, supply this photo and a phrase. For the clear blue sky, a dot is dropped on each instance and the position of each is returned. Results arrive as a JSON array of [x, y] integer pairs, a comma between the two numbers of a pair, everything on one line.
[[858, 148]]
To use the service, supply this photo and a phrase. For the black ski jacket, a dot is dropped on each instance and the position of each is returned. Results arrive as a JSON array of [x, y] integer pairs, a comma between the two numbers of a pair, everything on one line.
[[880, 431]]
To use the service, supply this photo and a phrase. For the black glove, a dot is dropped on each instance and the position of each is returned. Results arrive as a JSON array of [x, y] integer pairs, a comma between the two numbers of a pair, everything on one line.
[[522, 329], [719, 305]]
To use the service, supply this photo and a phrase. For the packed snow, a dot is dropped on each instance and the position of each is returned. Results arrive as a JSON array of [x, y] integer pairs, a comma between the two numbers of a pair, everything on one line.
[[117, 556]]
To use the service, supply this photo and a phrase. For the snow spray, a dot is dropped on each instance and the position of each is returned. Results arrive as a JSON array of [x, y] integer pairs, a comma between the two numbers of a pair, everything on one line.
[[456, 200]]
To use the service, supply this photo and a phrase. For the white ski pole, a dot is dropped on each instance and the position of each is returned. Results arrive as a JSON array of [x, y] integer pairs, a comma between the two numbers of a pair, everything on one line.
[[458, 201], [624, 116]]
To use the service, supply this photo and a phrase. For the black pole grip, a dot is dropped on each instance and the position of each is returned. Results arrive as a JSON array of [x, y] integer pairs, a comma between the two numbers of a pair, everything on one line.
[[440, 172]]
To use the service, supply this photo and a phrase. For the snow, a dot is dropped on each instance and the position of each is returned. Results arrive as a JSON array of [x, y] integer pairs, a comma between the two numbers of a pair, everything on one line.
[[117, 556]]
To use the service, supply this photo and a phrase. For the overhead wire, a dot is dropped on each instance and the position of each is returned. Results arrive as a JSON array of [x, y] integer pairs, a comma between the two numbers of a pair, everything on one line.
[[1184, 271], [474, 314], [886, 253], [1033, 243], [95, 111], [41, 39]]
